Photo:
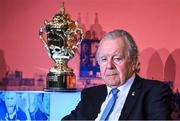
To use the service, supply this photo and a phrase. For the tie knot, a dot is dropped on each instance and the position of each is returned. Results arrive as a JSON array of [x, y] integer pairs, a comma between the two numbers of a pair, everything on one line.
[[114, 91]]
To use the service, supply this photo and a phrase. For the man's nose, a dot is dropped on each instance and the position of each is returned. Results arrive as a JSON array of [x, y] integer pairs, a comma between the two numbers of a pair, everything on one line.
[[110, 64]]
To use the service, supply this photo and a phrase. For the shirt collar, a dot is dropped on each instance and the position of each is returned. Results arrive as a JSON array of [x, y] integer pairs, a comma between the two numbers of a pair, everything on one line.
[[126, 85]]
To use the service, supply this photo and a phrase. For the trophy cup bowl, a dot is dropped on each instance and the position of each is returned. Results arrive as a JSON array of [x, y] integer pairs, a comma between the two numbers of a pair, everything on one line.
[[61, 37]]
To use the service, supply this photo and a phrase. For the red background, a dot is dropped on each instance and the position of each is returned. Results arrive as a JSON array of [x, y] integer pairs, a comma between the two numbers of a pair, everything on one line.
[[155, 25]]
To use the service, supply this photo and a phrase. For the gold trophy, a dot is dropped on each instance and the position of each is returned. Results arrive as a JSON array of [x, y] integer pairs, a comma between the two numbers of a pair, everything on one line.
[[63, 35]]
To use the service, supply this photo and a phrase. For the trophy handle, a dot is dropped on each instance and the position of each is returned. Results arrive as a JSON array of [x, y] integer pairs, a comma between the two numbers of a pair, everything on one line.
[[41, 37]]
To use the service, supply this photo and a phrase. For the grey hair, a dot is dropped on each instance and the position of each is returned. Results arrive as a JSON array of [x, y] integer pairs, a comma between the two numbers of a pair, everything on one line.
[[133, 52]]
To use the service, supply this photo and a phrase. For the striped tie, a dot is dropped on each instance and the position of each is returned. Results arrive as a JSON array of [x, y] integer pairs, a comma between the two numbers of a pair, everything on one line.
[[110, 105]]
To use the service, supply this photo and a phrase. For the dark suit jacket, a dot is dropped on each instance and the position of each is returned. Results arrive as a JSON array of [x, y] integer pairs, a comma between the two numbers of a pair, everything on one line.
[[147, 99]]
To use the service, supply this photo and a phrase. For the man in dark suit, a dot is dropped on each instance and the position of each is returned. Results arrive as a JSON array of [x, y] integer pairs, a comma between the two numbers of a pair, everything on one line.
[[135, 98]]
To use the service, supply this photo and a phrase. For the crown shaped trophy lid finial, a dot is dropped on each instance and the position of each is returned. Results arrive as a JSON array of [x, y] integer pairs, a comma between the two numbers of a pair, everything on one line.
[[62, 9]]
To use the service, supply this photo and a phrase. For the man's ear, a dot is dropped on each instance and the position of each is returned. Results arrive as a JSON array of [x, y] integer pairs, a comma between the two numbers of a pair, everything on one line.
[[136, 66], [133, 67]]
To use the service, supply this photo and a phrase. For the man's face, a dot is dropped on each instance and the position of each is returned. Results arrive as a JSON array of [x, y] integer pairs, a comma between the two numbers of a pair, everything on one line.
[[10, 101], [115, 67]]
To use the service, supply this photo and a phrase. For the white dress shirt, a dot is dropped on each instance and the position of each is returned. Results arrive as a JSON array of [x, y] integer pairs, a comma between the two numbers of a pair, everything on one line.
[[122, 95]]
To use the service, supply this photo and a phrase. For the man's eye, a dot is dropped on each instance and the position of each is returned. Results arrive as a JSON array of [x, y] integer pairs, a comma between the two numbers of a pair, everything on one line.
[[103, 59], [117, 59]]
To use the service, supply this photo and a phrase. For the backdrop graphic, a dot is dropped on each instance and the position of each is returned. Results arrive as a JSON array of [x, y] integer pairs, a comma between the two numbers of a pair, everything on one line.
[[36, 105], [24, 105], [153, 23]]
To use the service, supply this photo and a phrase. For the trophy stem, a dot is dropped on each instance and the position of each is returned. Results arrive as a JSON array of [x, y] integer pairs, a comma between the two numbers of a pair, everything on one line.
[[61, 77]]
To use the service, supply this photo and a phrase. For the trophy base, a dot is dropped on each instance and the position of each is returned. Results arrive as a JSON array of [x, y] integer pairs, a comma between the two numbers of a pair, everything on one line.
[[59, 82]]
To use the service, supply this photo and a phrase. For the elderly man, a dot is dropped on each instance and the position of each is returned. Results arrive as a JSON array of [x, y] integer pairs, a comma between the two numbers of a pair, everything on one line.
[[125, 95]]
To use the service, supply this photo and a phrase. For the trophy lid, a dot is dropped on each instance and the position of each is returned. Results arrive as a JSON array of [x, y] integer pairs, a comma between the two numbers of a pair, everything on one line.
[[63, 28], [63, 35]]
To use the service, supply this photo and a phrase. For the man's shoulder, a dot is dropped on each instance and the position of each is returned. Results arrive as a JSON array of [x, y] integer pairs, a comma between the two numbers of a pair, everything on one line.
[[151, 88], [153, 82], [95, 88], [94, 93], [150, 83]]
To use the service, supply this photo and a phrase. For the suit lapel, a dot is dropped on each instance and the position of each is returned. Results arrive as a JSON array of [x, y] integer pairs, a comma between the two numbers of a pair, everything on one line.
[[131, 98], [100, 96]]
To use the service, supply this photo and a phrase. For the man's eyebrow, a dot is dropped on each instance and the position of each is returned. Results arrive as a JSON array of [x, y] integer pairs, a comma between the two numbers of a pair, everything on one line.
[[104, 56]]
